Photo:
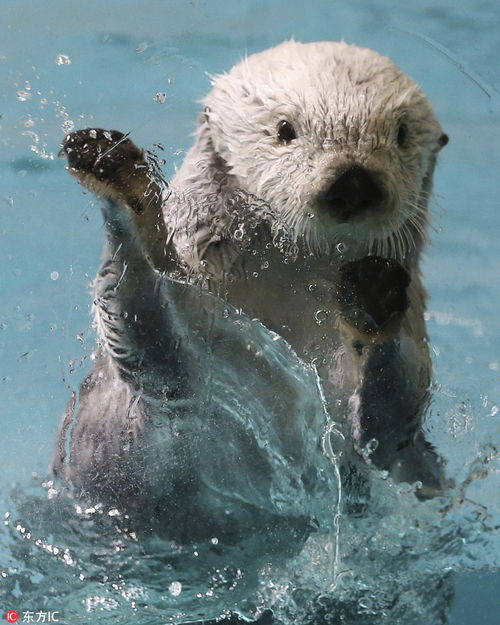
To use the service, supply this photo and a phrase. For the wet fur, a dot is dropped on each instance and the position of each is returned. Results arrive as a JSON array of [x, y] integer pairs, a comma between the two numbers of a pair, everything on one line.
[[292, 259]]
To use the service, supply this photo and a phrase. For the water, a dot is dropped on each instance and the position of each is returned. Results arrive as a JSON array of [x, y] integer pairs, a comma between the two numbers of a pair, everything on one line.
[[111, 66]]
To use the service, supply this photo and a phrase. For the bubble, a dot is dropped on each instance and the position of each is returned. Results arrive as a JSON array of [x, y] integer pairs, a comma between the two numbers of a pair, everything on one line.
[[63, 59], [214, 541], [54, 275], [312, 287], [160, 97], [265, 265], [238, 234], [340, 248], [320, 316], [175, 589]]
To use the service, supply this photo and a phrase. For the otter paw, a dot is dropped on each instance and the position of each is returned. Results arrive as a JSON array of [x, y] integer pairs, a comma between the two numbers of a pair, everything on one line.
[[111, 165], [372, 294], [101, 153]]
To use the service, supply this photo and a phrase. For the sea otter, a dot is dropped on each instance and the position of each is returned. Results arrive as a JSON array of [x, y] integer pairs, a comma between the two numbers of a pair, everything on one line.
[[302, 204]]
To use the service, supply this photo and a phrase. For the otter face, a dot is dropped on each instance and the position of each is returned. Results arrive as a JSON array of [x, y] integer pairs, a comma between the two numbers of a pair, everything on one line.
[[335, 138]]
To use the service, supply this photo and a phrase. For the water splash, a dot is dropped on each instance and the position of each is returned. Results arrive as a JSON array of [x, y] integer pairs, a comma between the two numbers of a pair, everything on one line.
[[315, 559]]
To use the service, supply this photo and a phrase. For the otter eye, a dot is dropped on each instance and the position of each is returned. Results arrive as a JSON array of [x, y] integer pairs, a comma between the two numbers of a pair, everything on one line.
[[286, 132], [402, 134]]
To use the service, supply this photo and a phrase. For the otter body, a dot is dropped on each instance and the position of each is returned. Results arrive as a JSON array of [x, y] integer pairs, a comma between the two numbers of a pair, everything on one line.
[[302, 204]]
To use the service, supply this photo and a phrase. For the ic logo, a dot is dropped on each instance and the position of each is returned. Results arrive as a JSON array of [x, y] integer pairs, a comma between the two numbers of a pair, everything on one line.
[[11, 616]]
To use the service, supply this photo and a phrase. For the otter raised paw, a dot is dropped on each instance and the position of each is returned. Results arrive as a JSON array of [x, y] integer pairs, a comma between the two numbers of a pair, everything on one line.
[[109, 164]]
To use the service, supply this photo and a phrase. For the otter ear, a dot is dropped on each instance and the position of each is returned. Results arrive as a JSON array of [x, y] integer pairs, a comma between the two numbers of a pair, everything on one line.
[[443, 140]]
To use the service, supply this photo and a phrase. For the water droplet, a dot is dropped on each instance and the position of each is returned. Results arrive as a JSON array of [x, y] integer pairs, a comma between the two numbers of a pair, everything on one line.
[[67, 126], [238, 234], [63, 59], [160, 97], [54, 275], [320, 316], [175, 589], [369, 448], [23, 95], [318, 361]]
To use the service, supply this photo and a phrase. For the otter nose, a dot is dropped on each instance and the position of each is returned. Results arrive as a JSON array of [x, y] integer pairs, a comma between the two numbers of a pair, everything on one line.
[[354, 192]]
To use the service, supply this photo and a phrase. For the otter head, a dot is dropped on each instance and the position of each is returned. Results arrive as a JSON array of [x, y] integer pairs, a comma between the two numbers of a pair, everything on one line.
[[335, 138]]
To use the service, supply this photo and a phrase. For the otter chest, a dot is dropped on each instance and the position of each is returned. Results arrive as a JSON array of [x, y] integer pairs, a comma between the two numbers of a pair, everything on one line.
[[295, 301]]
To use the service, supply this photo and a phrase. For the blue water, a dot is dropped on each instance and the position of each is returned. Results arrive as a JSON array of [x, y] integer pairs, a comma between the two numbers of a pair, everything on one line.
[[122, 53]]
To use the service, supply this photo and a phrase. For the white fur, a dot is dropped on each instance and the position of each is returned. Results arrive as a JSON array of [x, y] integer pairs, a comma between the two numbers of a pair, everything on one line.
[[345, 103]]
